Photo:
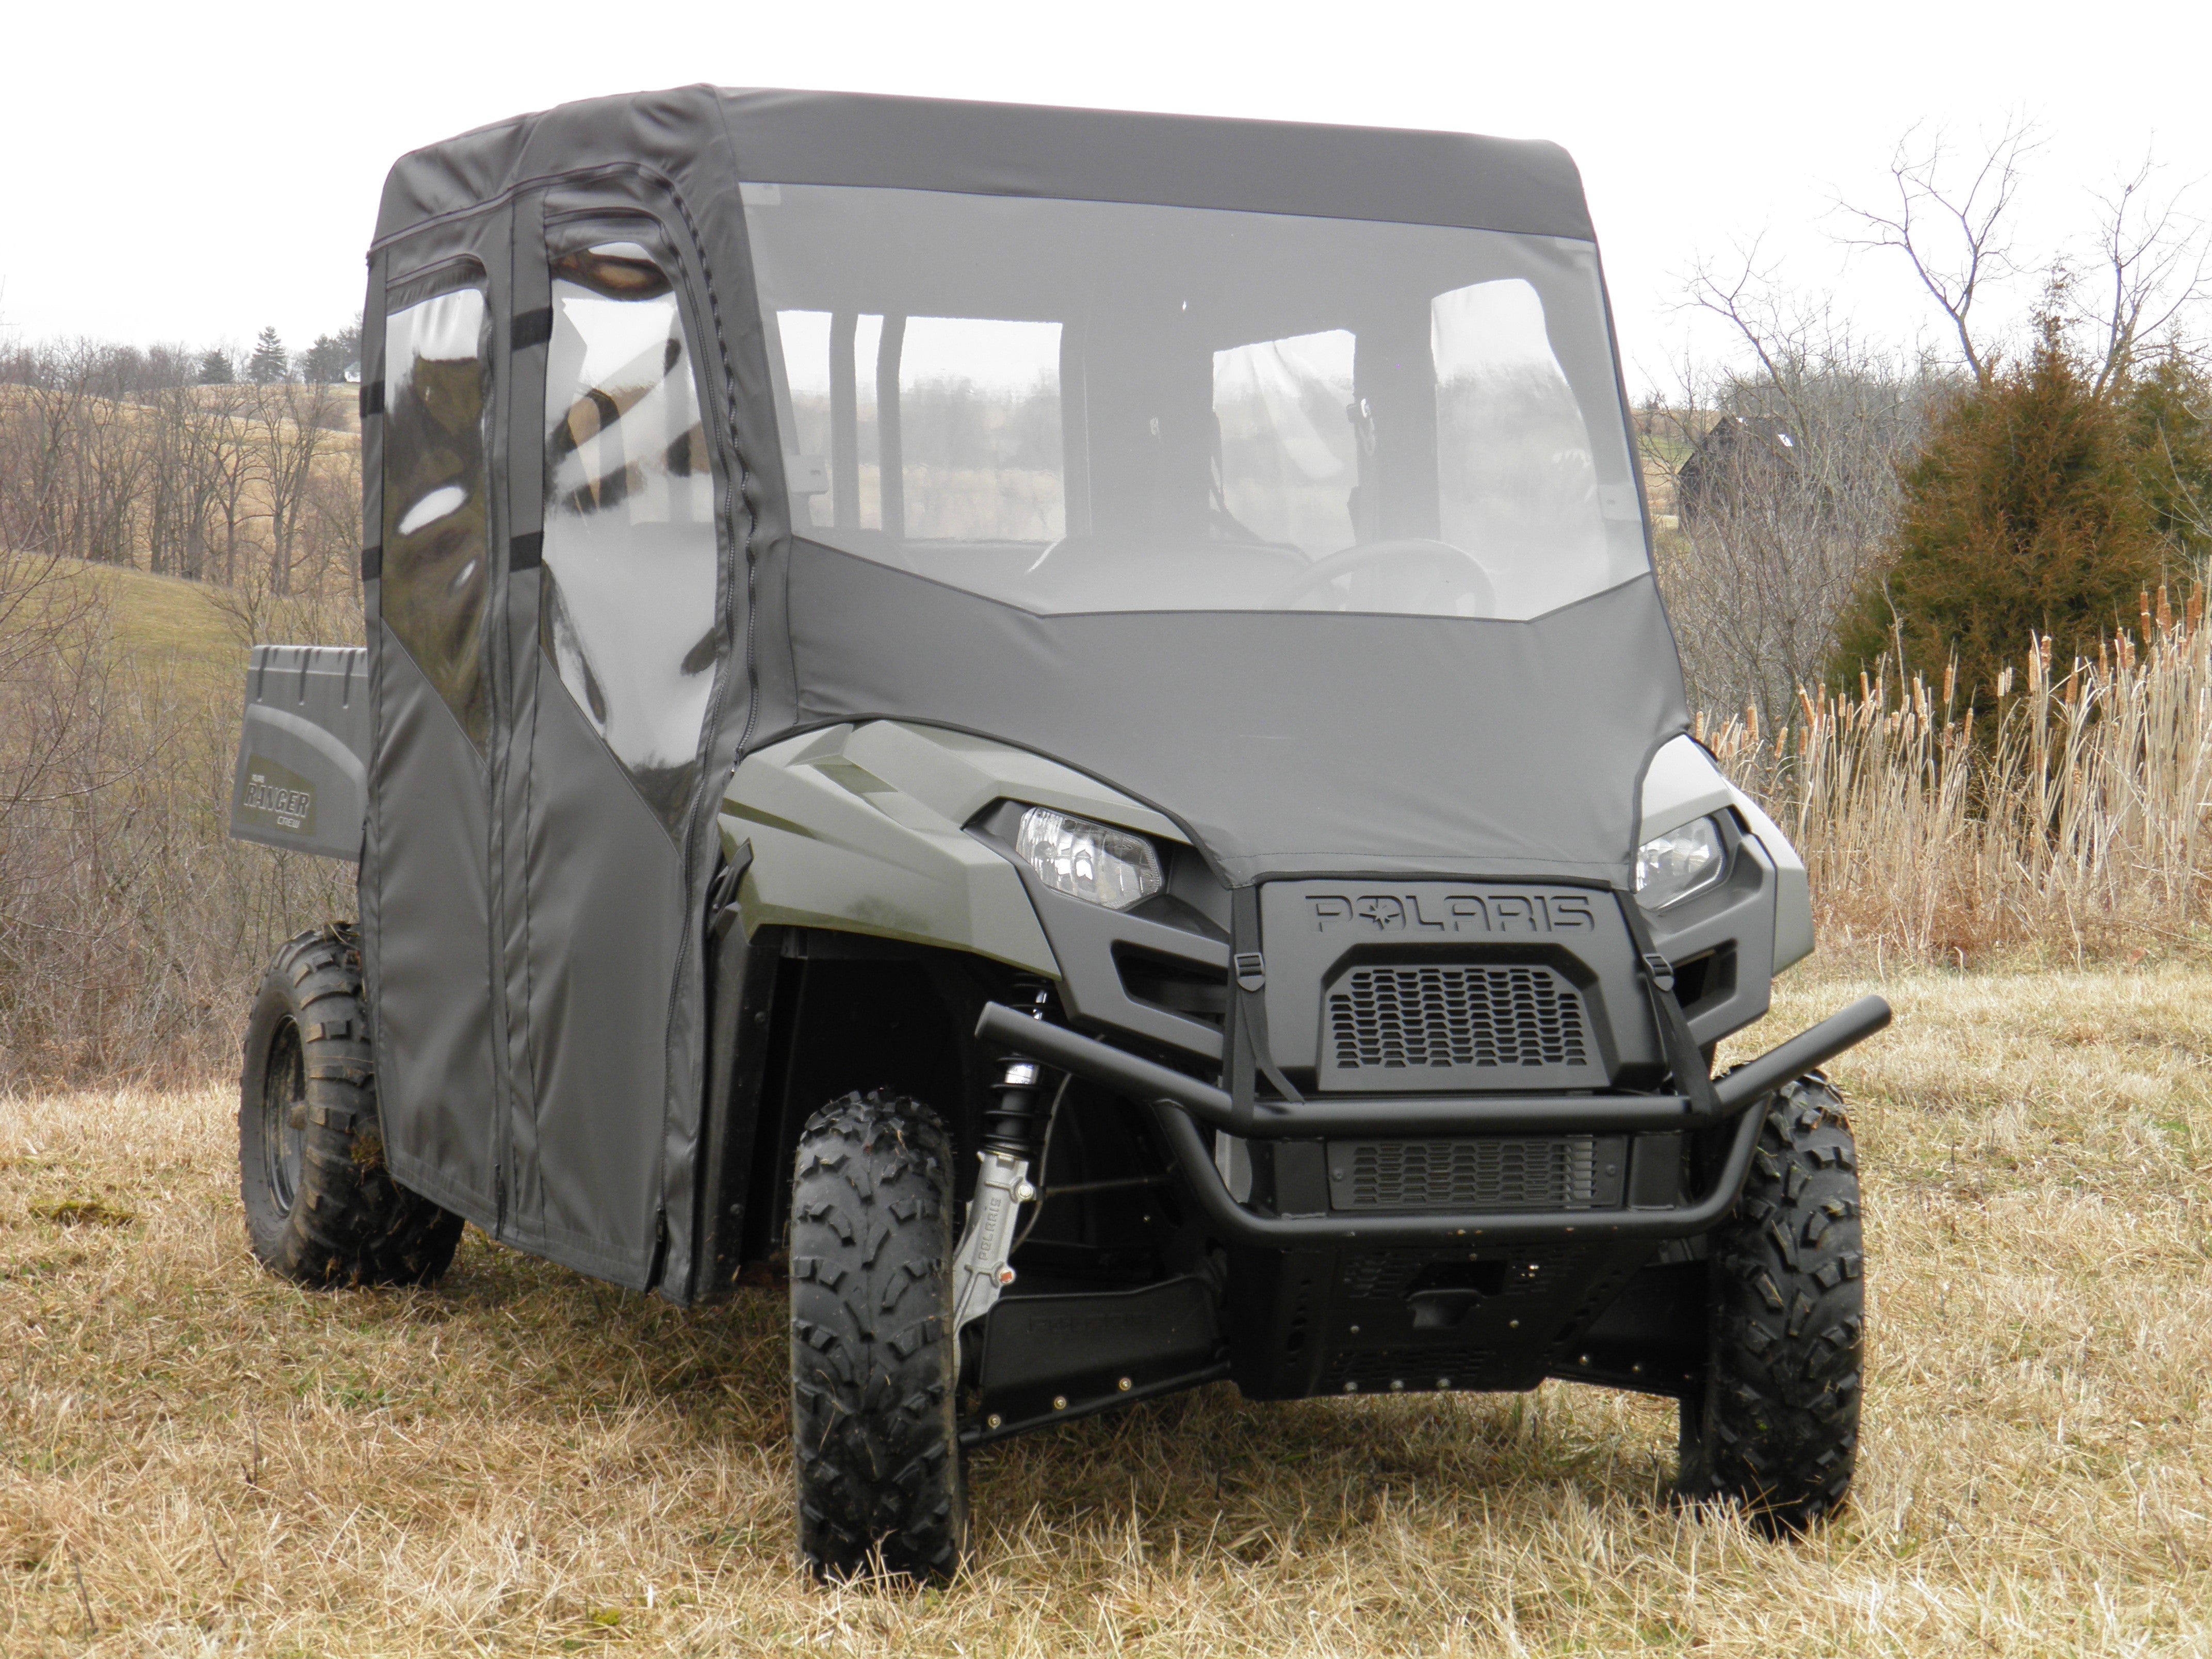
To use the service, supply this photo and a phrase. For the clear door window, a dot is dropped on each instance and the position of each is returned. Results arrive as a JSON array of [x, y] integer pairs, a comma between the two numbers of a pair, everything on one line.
[[627, 614], [436, 532]]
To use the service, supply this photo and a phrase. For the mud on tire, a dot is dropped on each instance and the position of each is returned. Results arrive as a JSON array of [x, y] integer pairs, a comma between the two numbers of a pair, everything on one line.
[[321, 1208], [1776, 1431], [873, 1362]]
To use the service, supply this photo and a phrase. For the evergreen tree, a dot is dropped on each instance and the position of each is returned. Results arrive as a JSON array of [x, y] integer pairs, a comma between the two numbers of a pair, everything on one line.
[[215, 367], [326, 362], [269, 363], [2022, 513], [323, 363], [2169, 415]]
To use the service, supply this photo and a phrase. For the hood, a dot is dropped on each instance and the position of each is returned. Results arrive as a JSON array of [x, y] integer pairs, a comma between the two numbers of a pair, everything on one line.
[[1284, 743]]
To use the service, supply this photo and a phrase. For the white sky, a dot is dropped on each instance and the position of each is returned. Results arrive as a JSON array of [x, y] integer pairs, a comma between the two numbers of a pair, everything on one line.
[[192, 172]]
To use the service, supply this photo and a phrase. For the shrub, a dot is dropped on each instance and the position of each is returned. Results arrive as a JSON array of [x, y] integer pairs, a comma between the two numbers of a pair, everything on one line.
[[2023, 516], [2168, 411]]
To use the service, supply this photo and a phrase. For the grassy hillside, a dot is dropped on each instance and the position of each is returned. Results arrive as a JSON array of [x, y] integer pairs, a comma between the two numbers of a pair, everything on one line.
[[167, 622], [198, 632]]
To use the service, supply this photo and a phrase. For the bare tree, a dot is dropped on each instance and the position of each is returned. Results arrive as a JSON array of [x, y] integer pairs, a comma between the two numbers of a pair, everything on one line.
[[2153, 261], [52, 672], [1954, 232], [173, 547], [2150, 257], [47, 389], [112, 466], [329, 520], [292, 424], [224, 456], [1786, 488]]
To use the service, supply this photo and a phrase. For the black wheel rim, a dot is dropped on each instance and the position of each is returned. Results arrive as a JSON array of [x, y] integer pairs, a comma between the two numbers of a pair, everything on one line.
[[283, 1106]]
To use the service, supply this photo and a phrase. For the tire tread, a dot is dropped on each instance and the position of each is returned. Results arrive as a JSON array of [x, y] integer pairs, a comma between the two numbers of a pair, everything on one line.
[[1776, 1432], [352, 1223], [874, 1363]]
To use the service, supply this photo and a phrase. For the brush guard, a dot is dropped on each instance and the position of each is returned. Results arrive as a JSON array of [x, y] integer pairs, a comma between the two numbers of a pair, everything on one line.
[[1180, 1103]]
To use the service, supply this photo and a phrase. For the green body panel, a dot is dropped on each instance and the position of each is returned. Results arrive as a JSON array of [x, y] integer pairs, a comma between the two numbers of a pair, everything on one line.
[[859, 828]]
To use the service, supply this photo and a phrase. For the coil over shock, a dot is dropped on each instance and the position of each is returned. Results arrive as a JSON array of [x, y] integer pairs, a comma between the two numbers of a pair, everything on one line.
[[980, 1269]]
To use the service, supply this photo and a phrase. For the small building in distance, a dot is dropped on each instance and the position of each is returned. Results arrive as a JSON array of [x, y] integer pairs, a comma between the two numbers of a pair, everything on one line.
[[1735, 450]]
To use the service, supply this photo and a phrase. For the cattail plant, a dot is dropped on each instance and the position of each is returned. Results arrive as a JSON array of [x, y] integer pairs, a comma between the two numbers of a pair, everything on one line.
[[2079, 824]]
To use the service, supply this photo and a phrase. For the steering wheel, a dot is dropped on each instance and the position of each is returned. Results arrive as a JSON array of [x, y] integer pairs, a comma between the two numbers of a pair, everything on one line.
[[1454, 569]]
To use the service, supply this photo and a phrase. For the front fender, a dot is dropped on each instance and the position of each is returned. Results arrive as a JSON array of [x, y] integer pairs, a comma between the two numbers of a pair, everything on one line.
[[860, 828]]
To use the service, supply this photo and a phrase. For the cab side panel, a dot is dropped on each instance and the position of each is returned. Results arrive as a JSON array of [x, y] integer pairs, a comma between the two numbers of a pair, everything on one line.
[[433, 519]]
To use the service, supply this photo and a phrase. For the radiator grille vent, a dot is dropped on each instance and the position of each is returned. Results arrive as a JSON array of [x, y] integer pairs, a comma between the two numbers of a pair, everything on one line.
[[1558, 1172], [1453, 1016]]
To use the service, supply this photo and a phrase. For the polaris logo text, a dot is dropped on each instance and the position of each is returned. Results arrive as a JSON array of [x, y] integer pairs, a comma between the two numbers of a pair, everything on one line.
[[1450, 912]]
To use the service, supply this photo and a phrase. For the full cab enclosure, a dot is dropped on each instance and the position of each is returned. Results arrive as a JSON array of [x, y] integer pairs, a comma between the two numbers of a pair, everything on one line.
[[1098, 674]]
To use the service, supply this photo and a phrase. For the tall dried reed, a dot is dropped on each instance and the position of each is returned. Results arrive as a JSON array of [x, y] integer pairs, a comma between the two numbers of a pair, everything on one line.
[[2077, 827]]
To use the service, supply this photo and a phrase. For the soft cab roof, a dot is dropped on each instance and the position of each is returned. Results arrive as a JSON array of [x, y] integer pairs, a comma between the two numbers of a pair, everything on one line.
[[926, 143]]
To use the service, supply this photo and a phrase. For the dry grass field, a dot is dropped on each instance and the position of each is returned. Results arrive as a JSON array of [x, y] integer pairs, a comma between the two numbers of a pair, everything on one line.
[[200, 1459]]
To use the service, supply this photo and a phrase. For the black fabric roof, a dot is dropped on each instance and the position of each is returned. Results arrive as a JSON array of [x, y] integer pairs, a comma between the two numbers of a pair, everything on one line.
[[1011, 150]]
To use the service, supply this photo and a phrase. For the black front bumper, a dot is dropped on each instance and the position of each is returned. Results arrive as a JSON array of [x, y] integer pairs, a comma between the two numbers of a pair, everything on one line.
[[1181, 1101]]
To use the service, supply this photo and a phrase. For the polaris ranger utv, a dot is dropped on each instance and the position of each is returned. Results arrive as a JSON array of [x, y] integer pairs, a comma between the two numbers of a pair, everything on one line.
[[1058, 724]]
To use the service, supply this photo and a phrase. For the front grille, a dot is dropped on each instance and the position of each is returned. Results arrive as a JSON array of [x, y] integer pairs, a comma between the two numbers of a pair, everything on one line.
[[1556, 1172], [1452, 1016]]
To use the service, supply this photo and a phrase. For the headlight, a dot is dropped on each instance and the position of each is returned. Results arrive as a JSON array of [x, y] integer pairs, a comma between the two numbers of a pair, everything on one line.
[[1089, 860], [1680, 863]]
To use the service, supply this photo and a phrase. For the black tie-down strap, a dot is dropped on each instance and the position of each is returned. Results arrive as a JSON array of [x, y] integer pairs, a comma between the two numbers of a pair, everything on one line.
[[1249, 1057], [1684, 1058]]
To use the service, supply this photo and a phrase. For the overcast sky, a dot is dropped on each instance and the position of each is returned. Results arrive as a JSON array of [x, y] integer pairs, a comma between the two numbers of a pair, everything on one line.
[[190, 172]]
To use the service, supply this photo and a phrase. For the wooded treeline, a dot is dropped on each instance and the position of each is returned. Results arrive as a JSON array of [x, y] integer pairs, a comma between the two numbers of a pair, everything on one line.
[[119, 455]]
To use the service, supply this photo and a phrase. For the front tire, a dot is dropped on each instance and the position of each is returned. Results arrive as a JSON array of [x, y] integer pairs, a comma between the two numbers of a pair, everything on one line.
[[1775, 1429], [873, 1362], [321, 1208]]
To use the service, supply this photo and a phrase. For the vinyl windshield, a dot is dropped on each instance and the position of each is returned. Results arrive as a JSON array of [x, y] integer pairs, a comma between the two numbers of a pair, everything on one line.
[[1096, 406]]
